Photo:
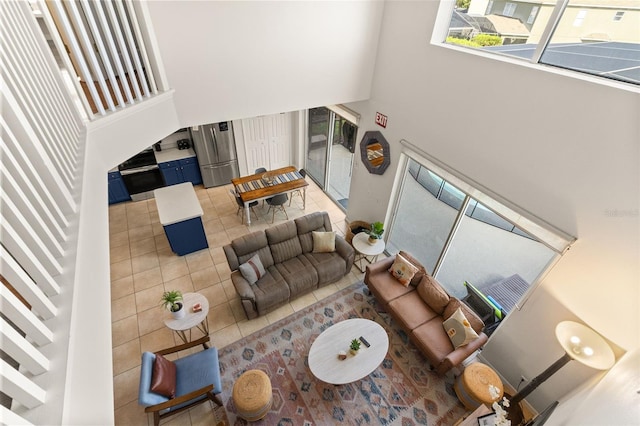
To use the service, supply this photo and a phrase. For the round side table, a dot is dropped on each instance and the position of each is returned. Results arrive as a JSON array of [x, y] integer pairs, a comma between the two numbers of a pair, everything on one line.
[[472, 386], [364, 249], [191, 319]]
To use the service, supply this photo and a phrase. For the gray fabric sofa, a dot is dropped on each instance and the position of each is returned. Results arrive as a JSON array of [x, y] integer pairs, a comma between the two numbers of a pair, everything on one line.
[[292, 268]]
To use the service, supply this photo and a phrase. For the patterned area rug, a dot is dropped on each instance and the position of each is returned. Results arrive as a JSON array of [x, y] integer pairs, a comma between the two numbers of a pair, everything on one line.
[[401, 391]]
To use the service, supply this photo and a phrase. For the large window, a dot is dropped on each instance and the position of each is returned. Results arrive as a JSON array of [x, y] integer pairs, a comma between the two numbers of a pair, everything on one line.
[[599, 37], [461, 234]]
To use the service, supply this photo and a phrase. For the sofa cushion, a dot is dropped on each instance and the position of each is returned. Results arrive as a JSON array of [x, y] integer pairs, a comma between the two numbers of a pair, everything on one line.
[[283, 241], [252, 270], [421, 270], [458, 329], [299, 275], [432, 341], [386, 288], [316, 221], [472, 317], [163, 379], [402, 270], [329, 266], [433, 294], [411, 311], [324, 242], [246, 246], [270, 291]]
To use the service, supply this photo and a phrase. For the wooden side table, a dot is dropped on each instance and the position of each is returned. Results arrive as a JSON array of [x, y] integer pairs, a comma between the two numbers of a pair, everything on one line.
[[364, 249], [191, 319], [472, 419]]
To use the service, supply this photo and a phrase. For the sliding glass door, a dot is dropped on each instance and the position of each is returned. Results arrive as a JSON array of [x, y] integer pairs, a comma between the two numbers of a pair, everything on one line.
[[319, 120], [330, 153]]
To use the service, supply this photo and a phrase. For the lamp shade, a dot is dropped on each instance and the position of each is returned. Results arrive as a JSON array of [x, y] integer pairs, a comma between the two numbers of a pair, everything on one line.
[[585, 345]]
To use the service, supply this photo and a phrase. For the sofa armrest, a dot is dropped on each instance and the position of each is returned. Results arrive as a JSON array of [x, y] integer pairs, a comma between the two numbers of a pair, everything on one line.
[[380, 266], [460, 354], [232, 258], [346, 251], [242, 286]]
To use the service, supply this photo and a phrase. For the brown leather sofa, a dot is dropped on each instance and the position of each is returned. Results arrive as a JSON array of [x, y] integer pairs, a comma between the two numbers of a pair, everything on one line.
[[420, 309], [291, 266]]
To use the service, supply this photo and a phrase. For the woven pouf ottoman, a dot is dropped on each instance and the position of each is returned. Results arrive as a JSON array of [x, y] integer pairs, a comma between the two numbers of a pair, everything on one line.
[[472, 386], [252, 395]]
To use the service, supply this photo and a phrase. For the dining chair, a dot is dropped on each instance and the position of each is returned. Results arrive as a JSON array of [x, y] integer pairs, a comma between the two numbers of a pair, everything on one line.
[[191, 380], [261, 170], [277, 203], [241, 205], [303, 173]]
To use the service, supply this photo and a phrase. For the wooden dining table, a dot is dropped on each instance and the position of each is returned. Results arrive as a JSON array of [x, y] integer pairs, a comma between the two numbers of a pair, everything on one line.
[[265, 185]]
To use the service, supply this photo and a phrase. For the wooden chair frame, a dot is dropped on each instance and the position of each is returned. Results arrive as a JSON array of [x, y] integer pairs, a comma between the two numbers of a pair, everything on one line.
[[207, 390]]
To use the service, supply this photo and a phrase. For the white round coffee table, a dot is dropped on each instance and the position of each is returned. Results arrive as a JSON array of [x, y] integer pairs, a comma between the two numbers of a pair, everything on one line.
[[191, 319], [364, 249], [323, 355]]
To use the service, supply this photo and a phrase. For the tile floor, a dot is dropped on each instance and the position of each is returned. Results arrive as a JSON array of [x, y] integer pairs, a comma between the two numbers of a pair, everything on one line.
[[143, 267]]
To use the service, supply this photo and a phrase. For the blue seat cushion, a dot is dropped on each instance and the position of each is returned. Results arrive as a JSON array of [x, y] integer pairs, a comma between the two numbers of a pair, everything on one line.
[[197, 371], [193, 372]]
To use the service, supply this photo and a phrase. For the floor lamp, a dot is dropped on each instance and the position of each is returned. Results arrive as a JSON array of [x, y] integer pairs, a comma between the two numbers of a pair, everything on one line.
[[580, 343]]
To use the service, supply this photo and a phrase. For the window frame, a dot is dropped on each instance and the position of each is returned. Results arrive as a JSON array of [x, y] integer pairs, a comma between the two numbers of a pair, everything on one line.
[[441, 29], [545, 233]]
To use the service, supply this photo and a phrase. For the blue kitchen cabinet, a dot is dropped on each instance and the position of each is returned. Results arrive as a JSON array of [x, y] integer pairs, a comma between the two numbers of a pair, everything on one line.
[[117, 190], [171, 172], [191, 170], [180, 171]]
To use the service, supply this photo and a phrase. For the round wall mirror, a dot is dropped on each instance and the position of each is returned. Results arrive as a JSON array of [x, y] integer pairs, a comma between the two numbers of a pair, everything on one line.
[[375, 153]]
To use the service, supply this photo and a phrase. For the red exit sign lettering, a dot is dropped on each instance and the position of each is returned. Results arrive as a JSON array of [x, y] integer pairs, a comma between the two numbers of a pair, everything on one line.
[[381, 119]]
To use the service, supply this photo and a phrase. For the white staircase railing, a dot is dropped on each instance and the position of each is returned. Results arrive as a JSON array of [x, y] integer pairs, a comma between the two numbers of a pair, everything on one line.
[[42, 155], [109, 69]]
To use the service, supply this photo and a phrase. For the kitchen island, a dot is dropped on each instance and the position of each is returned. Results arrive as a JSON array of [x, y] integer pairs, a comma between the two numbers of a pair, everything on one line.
[[181, 216]]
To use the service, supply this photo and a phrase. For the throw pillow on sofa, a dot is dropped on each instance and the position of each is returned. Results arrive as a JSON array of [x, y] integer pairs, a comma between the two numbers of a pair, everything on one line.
[[433, 294], [459, 330], [252, 270], [324, 242], [412, 260], [402, 270], [472, 317]]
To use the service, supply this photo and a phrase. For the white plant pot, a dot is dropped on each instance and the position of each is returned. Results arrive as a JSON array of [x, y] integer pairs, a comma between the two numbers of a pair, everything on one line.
[[180, 313]]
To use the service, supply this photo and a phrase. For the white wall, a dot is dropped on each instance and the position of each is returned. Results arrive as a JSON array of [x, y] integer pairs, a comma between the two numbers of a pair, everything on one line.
[[562, 148], [88, 396], [617, 393], [230, 60]]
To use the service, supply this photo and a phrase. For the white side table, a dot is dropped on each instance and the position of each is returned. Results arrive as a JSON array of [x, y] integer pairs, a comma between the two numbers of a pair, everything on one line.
[[364, 249], [191, 319]]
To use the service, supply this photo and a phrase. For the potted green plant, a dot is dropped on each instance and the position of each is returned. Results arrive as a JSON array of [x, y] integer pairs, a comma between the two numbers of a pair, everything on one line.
[[376, 231], [354, 347], [172, 301]]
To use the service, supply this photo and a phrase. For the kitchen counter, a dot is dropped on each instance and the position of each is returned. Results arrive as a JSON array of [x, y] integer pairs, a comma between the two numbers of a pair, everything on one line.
[[181, 217], [177, 203], [173, 154]]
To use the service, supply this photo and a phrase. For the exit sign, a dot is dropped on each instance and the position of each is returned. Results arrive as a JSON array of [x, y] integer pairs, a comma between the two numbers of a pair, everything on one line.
[[381, 119]]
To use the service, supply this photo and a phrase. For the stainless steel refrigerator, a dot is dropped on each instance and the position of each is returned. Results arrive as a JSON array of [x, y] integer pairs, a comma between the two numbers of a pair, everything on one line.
[[215, 148]]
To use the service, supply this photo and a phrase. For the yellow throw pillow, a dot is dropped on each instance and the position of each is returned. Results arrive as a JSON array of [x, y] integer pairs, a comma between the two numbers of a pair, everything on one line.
[[459, 330], [402, 270], [324, 242]]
